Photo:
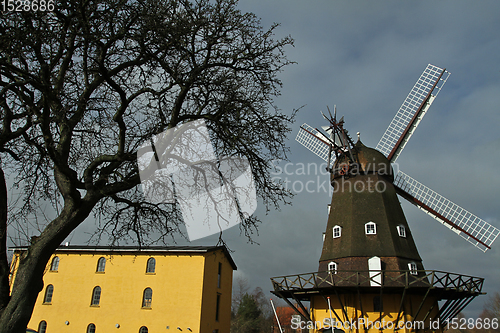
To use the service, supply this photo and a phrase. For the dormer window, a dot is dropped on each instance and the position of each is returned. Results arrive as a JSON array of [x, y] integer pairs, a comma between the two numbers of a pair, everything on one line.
[[332, 267], [412, 267], [401, 231], [337, 231], [370, 228]]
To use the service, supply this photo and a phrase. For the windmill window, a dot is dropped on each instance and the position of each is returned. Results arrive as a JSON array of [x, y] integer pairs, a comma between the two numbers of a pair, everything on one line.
[[54, 266], [370, 228], [147, 298], [412, 267], [219, 276], [42, 327], [101, 264], [332, 267], [48, 294], [91, 328], [217, 306], [337, 230], [151, 265], [96, 296], [143, 329], [401, 231]]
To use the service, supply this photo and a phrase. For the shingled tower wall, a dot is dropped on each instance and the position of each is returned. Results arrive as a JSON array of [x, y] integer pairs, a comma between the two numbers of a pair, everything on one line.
[[367, 195]]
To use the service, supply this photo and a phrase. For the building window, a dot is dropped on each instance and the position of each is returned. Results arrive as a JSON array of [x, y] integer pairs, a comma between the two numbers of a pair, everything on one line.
[[42, 327], [377, 304], [401, 231], [370, 228], [151, 265], [91, 328], [217, 305], [332, 267], [101, 264], [413, 268], [48, 294], [143, 329], [147, 298], [337, 231], [96, 296], [219, 275], [54, 266]]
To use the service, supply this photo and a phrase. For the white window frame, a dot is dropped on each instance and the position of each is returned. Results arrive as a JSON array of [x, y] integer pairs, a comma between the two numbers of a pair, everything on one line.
[[339, 228], [147, 298], [101, 265], [54, 265], [151, 265], [412, 267], [91, 328], [49, 294], [96, 296], [42, 327], [401, 231], [332, 267], [368, 231]]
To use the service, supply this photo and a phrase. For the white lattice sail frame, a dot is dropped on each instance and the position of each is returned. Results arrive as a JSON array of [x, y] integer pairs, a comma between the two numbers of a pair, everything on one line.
[[431, 81], [313, 140], [463, 219]]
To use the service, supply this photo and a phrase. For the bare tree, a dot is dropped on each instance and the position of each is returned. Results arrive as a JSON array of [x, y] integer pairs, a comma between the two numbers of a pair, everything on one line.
[[85, 85], [489, 318], [492, 306], [487, 322]]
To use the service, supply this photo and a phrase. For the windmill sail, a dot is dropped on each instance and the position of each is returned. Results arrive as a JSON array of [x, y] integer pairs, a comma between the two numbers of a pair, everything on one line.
[[473, 229], [412, 111], [313, 140]]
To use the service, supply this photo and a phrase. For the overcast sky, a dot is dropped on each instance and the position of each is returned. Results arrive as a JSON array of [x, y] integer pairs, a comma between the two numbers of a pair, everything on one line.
[[364, 57]]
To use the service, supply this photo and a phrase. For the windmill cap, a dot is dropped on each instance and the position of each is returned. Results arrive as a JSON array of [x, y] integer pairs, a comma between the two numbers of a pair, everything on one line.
[[370, 160]]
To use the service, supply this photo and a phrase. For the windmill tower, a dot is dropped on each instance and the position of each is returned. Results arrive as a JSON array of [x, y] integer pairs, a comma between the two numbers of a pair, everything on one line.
[[370, 275]]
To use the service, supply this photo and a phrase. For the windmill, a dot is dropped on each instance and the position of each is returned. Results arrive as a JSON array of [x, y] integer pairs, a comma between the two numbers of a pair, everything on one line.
[[370, 270], [475, 230]]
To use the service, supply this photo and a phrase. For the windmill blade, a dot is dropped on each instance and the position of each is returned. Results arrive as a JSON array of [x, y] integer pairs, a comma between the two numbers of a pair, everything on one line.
[[412, 111], [313, 140], [478, 232]]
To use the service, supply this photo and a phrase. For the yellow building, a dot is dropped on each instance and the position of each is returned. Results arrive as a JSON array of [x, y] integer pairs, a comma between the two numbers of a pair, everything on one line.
[[131, 290]]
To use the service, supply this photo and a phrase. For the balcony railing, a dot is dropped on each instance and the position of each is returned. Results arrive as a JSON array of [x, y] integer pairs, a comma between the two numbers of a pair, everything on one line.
[[406, 279]]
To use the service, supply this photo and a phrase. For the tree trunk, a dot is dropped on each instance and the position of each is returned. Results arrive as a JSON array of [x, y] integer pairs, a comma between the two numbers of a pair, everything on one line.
[[4, 263], [15, 316]]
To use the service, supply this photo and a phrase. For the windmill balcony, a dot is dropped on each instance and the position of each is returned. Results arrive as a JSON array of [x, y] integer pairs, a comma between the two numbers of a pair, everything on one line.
[[406, 295], [309, 283]]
